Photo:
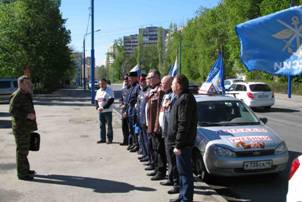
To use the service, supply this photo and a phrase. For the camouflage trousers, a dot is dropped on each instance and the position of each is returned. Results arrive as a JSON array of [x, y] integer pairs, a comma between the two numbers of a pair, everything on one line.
[[22, 139]]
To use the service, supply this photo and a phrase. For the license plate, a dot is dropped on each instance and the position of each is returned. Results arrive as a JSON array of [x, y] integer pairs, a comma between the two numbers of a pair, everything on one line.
[[255, 165], [262, 96]]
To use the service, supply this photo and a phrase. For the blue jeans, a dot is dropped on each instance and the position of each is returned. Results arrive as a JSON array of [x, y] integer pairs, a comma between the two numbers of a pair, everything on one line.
[[106, 118], [185, 171]]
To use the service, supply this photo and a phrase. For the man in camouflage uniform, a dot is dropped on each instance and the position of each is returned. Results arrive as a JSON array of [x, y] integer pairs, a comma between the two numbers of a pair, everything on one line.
[[23, 123]]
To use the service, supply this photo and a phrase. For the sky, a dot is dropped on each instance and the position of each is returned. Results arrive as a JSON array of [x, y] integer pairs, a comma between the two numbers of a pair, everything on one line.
[[118, 18]]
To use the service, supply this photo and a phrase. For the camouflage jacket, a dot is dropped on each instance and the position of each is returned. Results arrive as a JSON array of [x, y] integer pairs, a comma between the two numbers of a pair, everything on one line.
[[20, 105]]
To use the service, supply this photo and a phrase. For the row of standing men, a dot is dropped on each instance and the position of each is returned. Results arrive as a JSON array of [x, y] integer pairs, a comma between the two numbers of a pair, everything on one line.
[[159, 119]]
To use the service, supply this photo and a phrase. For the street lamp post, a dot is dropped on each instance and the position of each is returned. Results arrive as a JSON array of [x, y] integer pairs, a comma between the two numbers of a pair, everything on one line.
[[92, 53], [84, 64]]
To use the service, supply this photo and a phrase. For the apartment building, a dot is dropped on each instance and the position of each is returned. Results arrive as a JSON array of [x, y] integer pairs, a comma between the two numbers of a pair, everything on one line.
[[130, 43]]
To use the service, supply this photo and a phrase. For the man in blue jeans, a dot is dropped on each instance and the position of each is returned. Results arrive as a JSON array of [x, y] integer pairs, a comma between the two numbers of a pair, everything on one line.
[[183, 131], [104, 99]]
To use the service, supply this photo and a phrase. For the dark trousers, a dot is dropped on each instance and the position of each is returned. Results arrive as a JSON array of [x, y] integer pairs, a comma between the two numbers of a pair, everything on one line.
[[172, 168], [150, 149], [160, 159], [142, 140], [22, 139], [125, 130], [133, 138], [106, 118], [184, 167]]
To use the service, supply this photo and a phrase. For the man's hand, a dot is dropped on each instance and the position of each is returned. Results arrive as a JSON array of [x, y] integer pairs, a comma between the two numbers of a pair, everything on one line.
[[31, 116], [100, 109], [177, 151]]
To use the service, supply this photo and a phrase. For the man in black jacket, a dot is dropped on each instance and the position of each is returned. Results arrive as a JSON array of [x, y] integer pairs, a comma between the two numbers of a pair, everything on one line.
[[183, 132]]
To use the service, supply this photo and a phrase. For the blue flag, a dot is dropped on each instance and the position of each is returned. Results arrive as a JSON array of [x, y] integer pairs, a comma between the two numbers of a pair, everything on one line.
[[272, 43], [173, 69], [216, 75]]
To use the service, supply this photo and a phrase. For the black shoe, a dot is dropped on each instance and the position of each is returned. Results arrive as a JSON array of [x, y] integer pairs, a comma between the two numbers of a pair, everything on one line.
[[149, 168], [158, 177], [135, 149], [31, 172], [151, 174], [166, 183], [123, 144], [144, 159], [141, 157], [109, 142], [174, 190], [26, 178], [100, 141], [130, 147], [147, 164], [175, 200]]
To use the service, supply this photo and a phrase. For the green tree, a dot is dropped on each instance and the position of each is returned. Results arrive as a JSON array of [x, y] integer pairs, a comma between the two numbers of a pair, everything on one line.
[[102, 72], [32, 39]]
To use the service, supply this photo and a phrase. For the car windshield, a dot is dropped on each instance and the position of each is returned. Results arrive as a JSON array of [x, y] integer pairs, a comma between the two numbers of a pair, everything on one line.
[[259, 87], [225, 113], [4, 84]]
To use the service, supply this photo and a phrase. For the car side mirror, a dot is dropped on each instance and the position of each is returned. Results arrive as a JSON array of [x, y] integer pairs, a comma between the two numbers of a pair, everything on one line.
[[264, 120]]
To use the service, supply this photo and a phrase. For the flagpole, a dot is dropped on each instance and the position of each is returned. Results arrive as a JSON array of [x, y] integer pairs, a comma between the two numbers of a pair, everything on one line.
[[180, 46], [289, 78], [222, 72]]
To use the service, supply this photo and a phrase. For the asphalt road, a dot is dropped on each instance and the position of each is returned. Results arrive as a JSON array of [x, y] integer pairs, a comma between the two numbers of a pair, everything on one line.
[[71, 166], [285, 118]]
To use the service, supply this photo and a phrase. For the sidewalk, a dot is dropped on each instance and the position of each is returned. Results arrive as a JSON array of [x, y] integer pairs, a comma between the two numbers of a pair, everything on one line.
[[294, 98], [71, 166]]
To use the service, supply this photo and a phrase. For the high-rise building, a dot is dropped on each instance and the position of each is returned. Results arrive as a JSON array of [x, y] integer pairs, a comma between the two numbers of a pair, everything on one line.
[[149, 36], [130, 43]]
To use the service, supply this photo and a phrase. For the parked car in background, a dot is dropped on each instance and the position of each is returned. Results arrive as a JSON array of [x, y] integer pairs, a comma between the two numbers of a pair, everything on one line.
[[295, 181], [7, 87], [96, 84], [229, 82], [193, 88], [253, 94], [232, 141]]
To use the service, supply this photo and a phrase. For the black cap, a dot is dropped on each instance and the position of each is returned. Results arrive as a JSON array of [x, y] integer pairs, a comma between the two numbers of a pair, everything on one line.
[[133, 74]]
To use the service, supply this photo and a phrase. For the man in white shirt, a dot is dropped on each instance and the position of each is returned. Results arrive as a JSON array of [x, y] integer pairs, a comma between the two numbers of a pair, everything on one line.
[[104, 100]]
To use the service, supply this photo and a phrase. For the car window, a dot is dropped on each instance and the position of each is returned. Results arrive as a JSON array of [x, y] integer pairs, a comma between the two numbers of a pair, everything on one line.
[[240, 87], [4, 84], [259, 87], [227, 82], [213, 113], [15, 83], [233, 87]]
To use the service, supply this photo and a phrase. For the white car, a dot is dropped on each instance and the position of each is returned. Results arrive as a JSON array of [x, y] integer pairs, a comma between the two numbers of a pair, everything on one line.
[[229, 82], [253, 94], [232, 141], [295, 181]]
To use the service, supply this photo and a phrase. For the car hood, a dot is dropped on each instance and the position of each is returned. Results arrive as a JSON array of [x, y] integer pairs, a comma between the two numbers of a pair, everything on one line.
[[240, 137]]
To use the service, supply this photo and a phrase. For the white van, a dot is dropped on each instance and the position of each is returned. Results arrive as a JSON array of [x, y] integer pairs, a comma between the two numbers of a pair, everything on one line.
[[7, 87]]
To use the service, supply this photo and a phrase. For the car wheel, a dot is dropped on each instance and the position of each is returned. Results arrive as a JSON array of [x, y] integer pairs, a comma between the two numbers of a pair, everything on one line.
[[199, 167], [267, 107]]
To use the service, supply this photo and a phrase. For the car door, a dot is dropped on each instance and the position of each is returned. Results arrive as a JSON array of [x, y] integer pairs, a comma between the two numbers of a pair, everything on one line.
[[241, 91], [231, 91]]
